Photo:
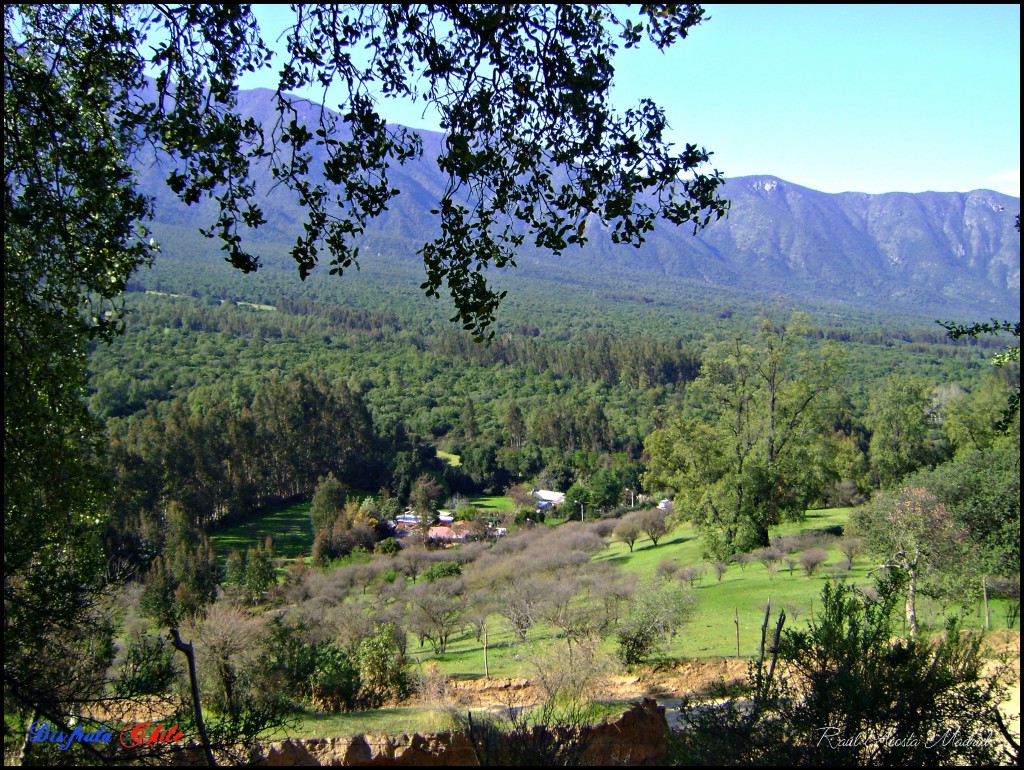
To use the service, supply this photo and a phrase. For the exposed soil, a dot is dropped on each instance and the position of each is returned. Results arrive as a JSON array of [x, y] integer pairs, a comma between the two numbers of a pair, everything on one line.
[[1004, 647], [663, 682], [702, 676]]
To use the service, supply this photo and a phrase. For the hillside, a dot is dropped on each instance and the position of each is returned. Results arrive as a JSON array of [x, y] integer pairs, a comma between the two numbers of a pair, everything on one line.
[[948, 254]]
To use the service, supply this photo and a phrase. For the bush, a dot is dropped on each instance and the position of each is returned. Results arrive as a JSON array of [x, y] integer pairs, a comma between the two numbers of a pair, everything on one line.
[[467, 512], [334, 683], [691, 575], [529, 514], [666, 569], [866, 696], [291, 653], [812, 559], [656, 612], [442, 569], [148, 668], [383, 670]]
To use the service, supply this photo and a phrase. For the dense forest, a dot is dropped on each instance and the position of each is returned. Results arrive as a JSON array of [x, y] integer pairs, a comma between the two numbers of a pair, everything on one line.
[[230, 394]]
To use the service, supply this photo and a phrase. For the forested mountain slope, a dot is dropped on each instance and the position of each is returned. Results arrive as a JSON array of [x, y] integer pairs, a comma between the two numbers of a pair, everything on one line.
[[953, 254]]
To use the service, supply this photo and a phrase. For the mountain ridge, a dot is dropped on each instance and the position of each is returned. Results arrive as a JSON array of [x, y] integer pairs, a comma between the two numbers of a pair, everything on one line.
[[935, 252]]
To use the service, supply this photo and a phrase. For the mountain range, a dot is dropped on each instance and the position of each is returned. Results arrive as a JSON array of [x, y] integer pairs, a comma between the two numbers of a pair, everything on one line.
[[943, 253]]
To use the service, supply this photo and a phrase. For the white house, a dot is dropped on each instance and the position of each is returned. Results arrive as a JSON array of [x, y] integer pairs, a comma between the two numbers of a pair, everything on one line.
[[546, 498]]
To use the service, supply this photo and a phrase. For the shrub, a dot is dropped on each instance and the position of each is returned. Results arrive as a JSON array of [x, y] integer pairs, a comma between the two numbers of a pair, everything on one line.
[[383, 669], [442, 569], [691, 574], [666, 569], [528, 515], [864, 696], [656, 612], [389, 546], [467, 512], [334, 682], [148, 668], [811, 560], [743, 559]]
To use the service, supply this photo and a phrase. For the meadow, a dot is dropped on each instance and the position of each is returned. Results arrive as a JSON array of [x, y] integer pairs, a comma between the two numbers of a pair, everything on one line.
[[724, 624], [726, 620]]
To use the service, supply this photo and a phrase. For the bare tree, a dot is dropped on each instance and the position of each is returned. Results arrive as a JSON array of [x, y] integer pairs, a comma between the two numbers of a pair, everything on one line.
[[519, 602], [436, 610], [770, 558], [851, 548], [743, 559], [691, 574], [654, 524], [522, 497], [811, 559], [666, 569], [628, 531], [413, 560], [351, 623], [610, 592]]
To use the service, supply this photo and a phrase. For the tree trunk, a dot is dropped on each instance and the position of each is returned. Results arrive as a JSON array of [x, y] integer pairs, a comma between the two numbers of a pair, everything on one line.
[[185, 648], [911, 606]]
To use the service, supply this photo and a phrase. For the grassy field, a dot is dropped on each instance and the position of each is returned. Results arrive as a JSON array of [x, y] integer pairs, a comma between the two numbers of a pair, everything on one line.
[[493, 504], [734, 605], [743, 591], [711, 631], [290, 527], [452, 459], [741, 594], [389, 721]]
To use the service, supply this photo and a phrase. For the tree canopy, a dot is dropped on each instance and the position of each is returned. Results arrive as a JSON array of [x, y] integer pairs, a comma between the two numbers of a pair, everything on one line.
[[1011, 353], [533, 147], [746, 461]]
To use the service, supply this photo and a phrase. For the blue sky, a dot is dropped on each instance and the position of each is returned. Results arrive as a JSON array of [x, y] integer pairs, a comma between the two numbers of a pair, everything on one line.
[[868, 98]]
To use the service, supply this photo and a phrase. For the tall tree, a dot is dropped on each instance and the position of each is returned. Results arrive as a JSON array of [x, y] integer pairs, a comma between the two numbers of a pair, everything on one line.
[[972, 422], [746, 461], [903, 430], [467, 422], [1009, 355], [918, 538], [515, 426], [328, 503], [981, 489], [71, 239]]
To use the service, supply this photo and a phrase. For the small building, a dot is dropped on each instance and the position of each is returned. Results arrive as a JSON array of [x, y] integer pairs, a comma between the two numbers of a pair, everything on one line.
[[443, 534], [409, 519], [548, 499]]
